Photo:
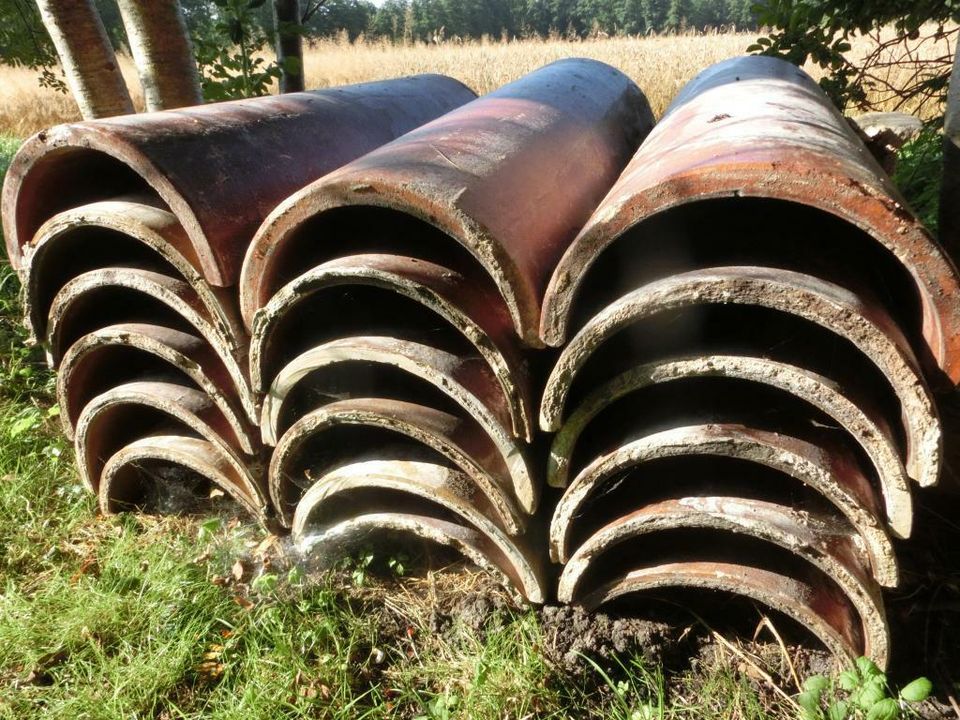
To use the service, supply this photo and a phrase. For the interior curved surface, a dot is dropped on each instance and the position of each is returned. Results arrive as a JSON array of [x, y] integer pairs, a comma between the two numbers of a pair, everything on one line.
[[374, 425], [821, 303], [114, 296], [354, 492], [396, 296], [724, 460], [120, 232], [827, 617], [817, 540], [456, 384], [132, 411], [868, 434], [144, 476], [124, 353]]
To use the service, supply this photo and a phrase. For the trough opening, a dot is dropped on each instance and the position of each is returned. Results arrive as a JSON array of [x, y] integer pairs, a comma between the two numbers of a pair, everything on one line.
[[161, 487], [703, 400], [672, 478], [84, 249], [748, 330], [107, 305], [117, 426], [340, 445], [361, 229], [350, 310], [711, 545], [109, 366], [751, 231], [68, 177], [361, 379]]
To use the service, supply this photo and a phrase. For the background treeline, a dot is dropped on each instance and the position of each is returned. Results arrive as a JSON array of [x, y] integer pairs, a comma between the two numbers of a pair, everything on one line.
[[423, 19], [429, 20]]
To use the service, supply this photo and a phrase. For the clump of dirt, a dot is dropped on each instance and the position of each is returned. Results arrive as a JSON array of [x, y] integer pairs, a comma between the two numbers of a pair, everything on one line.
[[571, 635]]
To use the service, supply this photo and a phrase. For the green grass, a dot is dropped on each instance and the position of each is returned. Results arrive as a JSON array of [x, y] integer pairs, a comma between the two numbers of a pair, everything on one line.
[[141, 617]]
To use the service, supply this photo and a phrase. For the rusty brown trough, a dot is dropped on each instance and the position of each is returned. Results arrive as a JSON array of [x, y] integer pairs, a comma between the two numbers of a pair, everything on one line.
[[220, 168], [390, 302], [483, 190], [750, 326], [124, 229]]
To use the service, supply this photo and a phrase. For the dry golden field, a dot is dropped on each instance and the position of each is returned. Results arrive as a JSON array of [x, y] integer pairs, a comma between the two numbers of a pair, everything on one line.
[[659, 64]]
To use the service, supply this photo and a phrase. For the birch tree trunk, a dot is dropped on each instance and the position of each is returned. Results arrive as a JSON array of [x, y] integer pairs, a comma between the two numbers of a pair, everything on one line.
[[286, 18], [949, 219], [162, 51], [88, 60]]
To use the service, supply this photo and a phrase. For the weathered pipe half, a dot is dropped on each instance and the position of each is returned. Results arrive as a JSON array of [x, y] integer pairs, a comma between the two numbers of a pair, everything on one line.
[[219, 168], [511, 177], [757, 129]]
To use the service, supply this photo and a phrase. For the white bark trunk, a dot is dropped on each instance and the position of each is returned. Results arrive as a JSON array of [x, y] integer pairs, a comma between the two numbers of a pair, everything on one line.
[[88, 60], [162, 52]]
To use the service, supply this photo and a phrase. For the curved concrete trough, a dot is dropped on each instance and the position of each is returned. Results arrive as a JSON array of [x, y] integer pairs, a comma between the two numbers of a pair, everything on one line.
[[756, 128], [832, 474], [469, 384], [134, 477], [365, 500], [119, 233], [288, 323], [811, 603], [134, 411], [867, 430], [460, 440], [116, 354], [111, 296], [821, 542], [485, 186], [219, 168], [833, 308]]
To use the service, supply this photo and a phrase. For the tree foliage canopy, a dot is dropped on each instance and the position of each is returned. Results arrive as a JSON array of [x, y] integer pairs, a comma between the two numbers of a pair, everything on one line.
[[911, 56]]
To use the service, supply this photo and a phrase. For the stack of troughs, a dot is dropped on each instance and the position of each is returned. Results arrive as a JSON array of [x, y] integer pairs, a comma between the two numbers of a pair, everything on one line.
[[128, 234], [749, 322]]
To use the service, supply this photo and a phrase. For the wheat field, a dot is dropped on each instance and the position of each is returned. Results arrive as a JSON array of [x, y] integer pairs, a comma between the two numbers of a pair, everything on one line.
[[660, 65]]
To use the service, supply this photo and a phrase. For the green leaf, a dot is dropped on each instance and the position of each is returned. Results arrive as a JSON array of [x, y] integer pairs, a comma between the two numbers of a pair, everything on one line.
[[816, 684], [917, 691], [265, 584], [867, 667], [837, 711], [884, 710], [208, 528], [871, 694], [809, 700], [849, 680]]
